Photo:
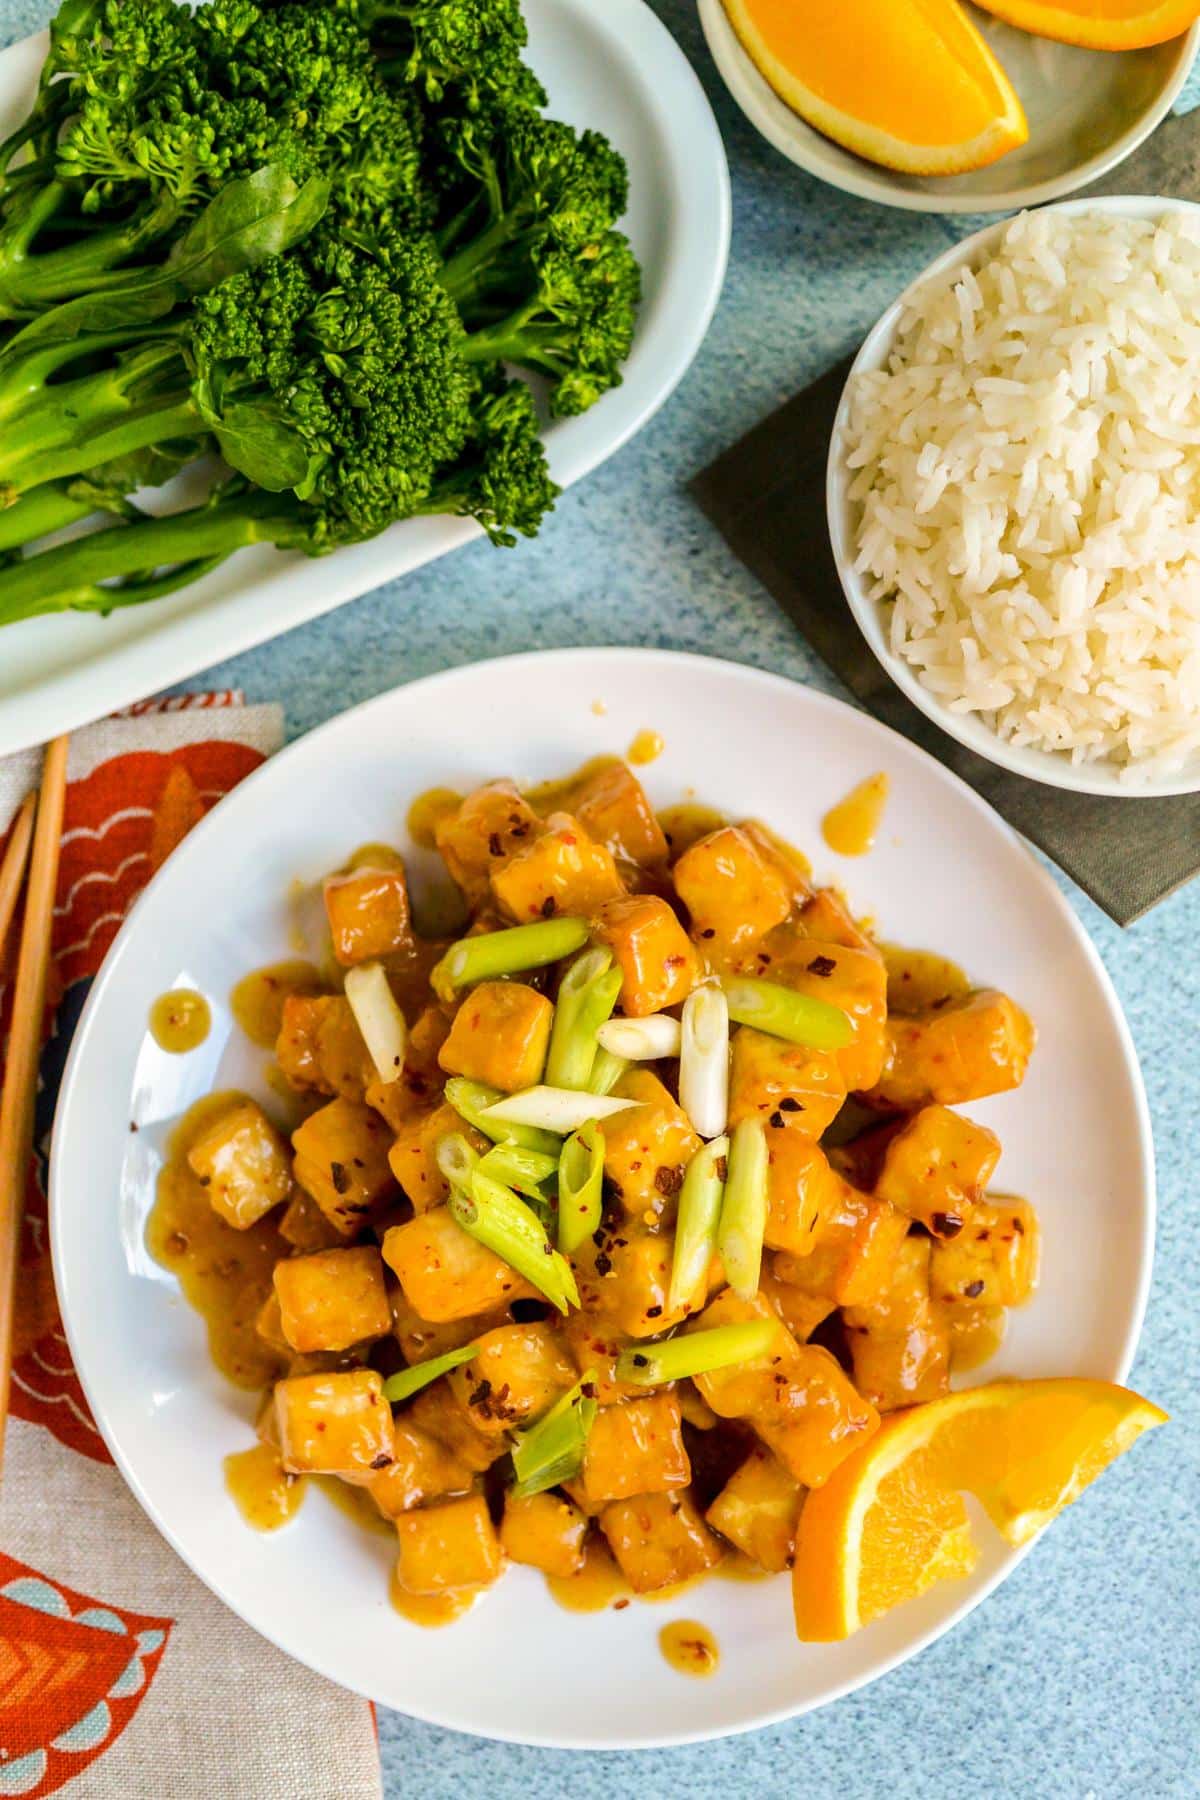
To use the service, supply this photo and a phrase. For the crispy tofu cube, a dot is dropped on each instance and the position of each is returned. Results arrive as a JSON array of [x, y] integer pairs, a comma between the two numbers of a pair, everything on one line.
[[242, 1162], [518, 1372], [993, 1260], [305, 1227], [332, 1299], [546, 1532], [610, 803], [745, 1390], [733, 891], [413, 1155], [268, 1323], [421, 1470], [635, 1448], [449, 1546], [625, 1280], [447, 1274], [334, 1424], [899, 1342], [958, 1053], [320, 1048], [851, 1259], [438, 1411], [596, 1344], [561, 871], [659, 966], [500, 1036], [421, 1078], [816, 1418], [659, 1540], [489, 825], [757, 1510], [784, 858], [419, 1339], [800, 1312], [647, 1148], [341, 1160], [827, 917], [786, 1084], [937, 1167], [853, 980], [368, 914], [802, 1192]]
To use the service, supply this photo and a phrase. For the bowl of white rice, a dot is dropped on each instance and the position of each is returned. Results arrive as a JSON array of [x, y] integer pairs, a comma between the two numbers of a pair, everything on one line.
[[1014, 494]]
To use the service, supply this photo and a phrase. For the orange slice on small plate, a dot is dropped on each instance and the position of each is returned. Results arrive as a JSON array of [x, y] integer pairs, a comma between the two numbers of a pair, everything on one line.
[[1099, 24], [892, 1521], [910, 84]]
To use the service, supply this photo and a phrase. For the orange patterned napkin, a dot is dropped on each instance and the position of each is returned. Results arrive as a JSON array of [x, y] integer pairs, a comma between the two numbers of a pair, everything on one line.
[[121, 1676]]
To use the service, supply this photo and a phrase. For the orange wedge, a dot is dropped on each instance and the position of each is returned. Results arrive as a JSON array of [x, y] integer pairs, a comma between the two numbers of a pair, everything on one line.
[[906, 83], [891, 1521], [1099, 24]]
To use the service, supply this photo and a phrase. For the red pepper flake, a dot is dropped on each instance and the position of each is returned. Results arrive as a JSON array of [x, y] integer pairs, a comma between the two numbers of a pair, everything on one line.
[[668, 1181], [722, 1167], [822, 965], [973, 1290], [790, 1105], [654, 1312], [946, 1224], [549, 908], [495, 847], [339, 1175], [620, 1605]]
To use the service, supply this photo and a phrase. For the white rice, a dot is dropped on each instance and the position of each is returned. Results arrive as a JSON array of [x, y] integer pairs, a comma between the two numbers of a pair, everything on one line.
[[1029, 475]]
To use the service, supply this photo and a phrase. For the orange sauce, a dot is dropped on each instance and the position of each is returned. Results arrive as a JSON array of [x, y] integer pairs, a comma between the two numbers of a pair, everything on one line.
[[597, 1585], [257, 1000], [356, 1503], [560, 796], [921, 979], [599, 707], [225, 1274], [423, 815], [976, 1336], [432, 1609], [375, 856], [646, 747], [690, 1648], [735, 1566], [180, 1020], [684, 825], [263, 1491], [851, 825]]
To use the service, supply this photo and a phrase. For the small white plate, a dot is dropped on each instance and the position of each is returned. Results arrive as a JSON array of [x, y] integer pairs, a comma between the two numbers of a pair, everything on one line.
[[613, 67], [1076, 1141], [1087, 110]]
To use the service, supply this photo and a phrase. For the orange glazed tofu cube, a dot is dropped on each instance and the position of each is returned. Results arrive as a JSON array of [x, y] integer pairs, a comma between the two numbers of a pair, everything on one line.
[[816, 1417], [420, 1079], [449, 1546], [851, 1260], [546, 1532], [242, 1162], [335, 1424], [413, 1155], [659, 966], [304, 1226], [853, 980], [500, 1036], [611, 804], [826, 916], [993, 1260], [445, 1273], [421, 1470], [320, 1048], [332, 1299], [341, 1160], [658, 1540], [624, 1281], [367, 910], [647, 1147], [745, 1389], [561, 871], [438, 1411], [785, 1084], [962, 1052], [516, 1375], [802, 1192], [899, 1342], [489, 825], [634, 1448], [733, 891], [800, 1312], [419, 1339], [757, 1510], [937, 1167]]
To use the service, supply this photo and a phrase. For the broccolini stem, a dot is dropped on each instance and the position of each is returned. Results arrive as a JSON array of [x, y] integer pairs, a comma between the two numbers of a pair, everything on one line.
[[24, 376], [460, 274], [29, 282], [63, 453], [37, 514]]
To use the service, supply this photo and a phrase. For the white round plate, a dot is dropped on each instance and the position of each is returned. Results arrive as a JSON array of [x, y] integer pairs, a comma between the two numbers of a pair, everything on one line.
[[946, 874], [614, 67], [1087, 110]]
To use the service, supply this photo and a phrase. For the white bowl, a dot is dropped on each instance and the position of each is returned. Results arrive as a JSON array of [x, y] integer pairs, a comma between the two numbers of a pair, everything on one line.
[[1051, 767], [1076, 1141], [1087, 110]]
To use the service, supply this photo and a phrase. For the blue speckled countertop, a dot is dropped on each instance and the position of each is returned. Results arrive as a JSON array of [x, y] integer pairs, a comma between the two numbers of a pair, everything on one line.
[[1081, 1676]]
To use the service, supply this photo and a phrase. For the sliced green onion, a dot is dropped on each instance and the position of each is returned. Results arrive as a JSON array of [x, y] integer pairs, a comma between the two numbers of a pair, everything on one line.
[[379, 1018], [471, 1100], [492, 1214], [455, 1159], [704, 1060], [492, 954], [783, 1013], [641, 1040], [587, 994], [552, 1450], [697, 1352], [580, 1179], [407, 1382], [744, 1208], [607, 1070], [516, 1167], [552, 1109], [696, 1225]]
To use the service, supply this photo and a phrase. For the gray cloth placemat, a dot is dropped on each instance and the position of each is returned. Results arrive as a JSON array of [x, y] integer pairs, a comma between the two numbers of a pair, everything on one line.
[[767, 497]]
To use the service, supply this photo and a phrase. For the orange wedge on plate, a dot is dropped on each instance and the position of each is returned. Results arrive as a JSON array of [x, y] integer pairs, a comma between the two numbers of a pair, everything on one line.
[[891, 1521], [906, 83], [1099, 24]]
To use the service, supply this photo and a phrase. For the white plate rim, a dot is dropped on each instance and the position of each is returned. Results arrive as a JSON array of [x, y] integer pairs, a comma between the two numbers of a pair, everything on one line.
[[228, 624], [1123, 1353]]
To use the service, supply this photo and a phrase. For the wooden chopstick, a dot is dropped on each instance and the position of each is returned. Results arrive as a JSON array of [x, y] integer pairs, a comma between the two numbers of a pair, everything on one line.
[[19, 1094], [12, 870]]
